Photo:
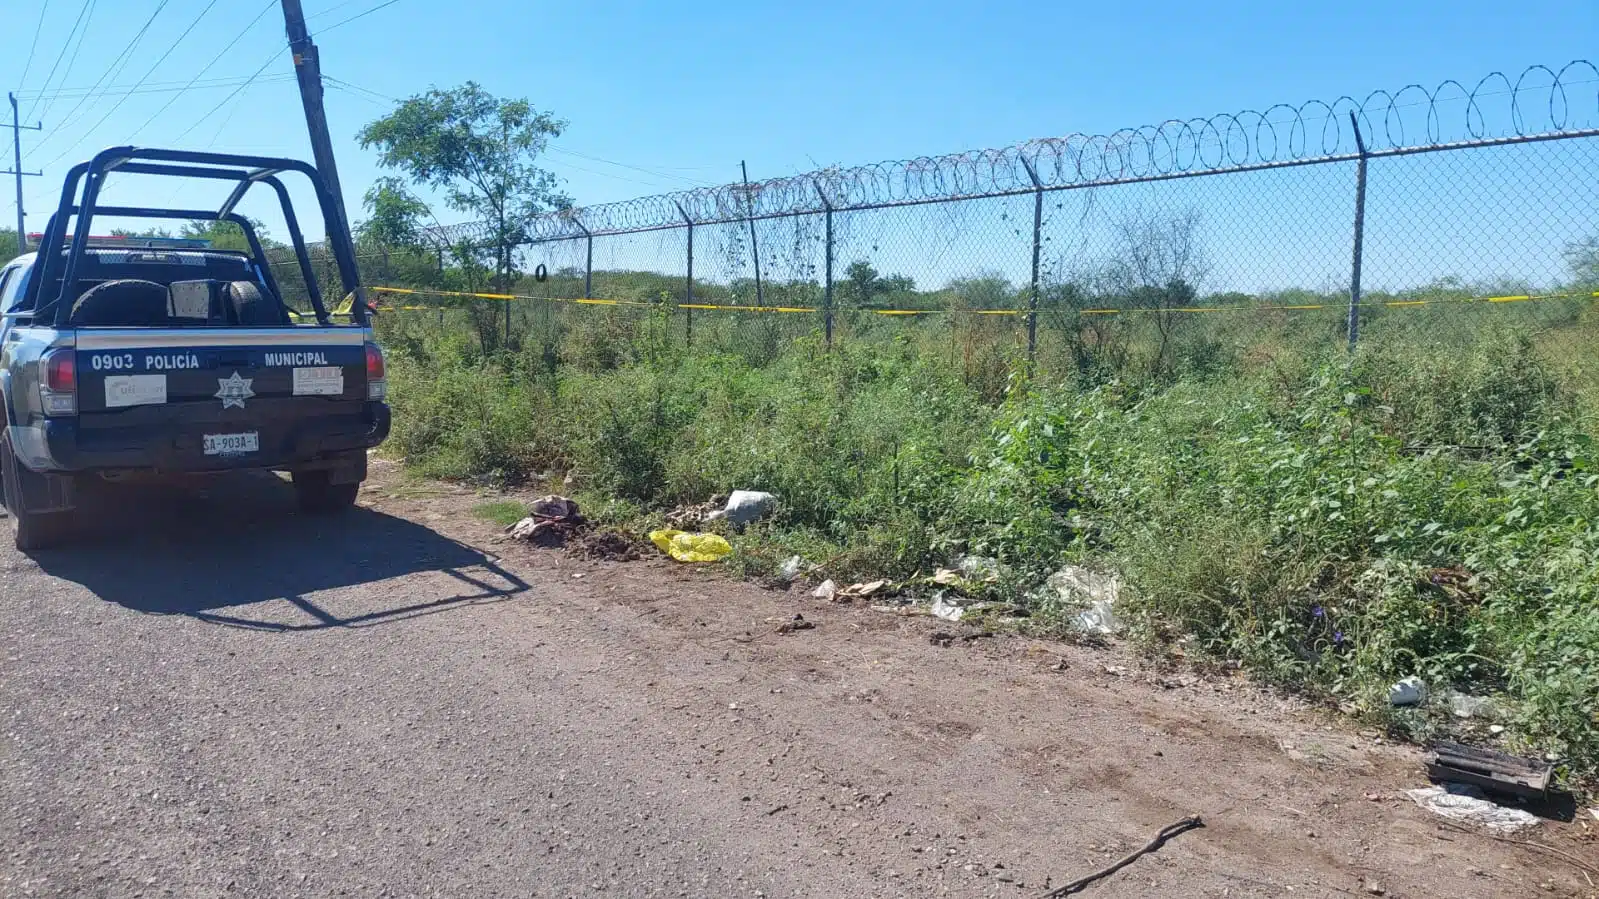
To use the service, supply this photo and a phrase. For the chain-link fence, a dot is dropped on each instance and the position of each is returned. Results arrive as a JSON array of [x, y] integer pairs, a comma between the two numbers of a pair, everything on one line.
[[1438, 216]]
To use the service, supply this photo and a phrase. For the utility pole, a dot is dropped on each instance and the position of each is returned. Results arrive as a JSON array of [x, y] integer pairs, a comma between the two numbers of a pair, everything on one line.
[[16, 167], [308, 71]]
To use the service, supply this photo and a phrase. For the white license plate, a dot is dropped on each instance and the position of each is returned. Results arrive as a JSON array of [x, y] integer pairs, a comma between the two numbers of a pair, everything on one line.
[[231, 444]]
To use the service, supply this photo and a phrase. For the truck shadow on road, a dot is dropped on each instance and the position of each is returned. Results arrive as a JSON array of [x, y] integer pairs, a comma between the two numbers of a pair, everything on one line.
[[239, 554]]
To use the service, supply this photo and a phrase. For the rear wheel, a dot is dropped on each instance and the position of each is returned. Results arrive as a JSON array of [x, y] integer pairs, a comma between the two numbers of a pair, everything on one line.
[[317, 494], [32, 530]]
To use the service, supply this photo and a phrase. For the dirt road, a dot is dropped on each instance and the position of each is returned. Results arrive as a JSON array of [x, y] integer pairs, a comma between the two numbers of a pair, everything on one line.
[[230, 699]]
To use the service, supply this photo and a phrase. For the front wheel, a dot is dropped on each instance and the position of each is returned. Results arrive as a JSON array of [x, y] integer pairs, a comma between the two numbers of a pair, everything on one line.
[[316, 494], [32, 530]]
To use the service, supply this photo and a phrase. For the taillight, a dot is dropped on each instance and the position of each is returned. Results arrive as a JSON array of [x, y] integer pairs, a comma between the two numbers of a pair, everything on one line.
[[376, 373], [58, 392]]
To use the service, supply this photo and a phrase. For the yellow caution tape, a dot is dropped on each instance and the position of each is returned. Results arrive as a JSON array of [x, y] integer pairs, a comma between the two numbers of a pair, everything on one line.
[[1186, 310]]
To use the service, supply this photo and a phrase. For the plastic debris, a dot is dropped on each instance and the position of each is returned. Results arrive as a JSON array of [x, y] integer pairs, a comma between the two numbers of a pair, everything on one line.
[[1466, 803], [791, 568], [1410, 691], [979, 568], [1464, 705], [860, 591], [691, 547], [1075, 586], [947, 610], [826, 590], [745, 506]]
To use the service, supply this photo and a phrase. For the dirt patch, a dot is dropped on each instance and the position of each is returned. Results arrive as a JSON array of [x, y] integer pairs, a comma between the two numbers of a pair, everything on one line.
[[605, 546]]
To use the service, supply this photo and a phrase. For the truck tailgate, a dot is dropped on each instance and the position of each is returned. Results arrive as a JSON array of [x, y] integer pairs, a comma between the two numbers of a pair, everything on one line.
[[234, 395]]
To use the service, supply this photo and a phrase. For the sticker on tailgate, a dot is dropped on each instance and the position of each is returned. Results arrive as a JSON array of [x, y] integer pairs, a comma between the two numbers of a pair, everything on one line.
[[135, 390], [319, 381]]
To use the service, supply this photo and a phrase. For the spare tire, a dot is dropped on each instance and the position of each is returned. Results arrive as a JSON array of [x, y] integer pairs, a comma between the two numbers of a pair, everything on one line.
[[128, 302], [254, 309]]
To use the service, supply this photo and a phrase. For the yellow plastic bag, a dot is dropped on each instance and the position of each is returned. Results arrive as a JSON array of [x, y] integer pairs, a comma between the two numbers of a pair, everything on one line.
[[690, 547]]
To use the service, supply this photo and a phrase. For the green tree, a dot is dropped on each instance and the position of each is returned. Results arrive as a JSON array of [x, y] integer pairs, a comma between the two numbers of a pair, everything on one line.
[[479, 151], [8, 246], [1582, 256]]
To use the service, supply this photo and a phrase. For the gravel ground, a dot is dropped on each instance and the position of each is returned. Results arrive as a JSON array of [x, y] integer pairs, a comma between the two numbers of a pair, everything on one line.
[[215, 696]]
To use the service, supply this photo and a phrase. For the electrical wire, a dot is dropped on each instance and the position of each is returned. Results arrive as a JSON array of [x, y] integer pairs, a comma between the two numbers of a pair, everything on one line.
[[38, 27], [82, 12], [206, 68], [236, 91], [115, 68], [359, 15], [146, 77], [156, 87]]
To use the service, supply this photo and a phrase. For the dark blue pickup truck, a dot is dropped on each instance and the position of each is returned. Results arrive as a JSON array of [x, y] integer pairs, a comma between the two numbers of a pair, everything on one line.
[[123, 361]]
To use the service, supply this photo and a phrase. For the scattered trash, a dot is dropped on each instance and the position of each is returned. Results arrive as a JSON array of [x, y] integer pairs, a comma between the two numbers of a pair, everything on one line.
[[1463, 802], [1075, 586], [798, 624], [687, 518], [1117, 670], [554, 507], [859, 591], [745, 506], [1497, 772], [1594, 812], [1099, 618], [1410, 691], [552, 520], [947, 610], [1465, 705], [948, 577], [790, 569], [940, 638], [690, 547], [978, 568], [826, 590]]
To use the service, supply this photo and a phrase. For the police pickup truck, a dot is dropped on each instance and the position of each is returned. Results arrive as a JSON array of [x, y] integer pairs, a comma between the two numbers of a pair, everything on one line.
[[166, 358]]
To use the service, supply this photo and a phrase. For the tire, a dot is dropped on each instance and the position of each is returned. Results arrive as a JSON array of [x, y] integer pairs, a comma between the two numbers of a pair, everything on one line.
[[128, 302], [252, 308], [31, 530], [317, 495]]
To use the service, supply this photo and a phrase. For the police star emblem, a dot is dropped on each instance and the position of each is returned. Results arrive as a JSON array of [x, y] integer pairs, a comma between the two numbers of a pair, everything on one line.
[[234, 391]]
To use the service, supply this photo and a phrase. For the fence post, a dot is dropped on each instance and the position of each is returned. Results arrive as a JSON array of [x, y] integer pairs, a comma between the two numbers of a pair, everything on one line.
[[755, 247], [827, 289], [1038, 231], [688, 293], [588, 260], [1360, 235]]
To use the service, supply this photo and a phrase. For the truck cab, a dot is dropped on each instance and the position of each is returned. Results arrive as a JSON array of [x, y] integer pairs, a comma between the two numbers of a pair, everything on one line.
[[153, 357]]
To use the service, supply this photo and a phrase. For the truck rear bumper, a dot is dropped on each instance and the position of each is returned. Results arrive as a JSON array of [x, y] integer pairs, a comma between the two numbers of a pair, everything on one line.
[[64, 446]]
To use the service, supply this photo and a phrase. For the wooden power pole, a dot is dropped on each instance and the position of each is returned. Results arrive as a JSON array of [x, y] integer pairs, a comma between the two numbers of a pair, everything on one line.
[[308, 71]]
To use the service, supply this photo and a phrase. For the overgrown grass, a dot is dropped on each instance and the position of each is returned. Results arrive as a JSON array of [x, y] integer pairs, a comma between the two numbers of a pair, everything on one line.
[[1332, 522], [501, 512]]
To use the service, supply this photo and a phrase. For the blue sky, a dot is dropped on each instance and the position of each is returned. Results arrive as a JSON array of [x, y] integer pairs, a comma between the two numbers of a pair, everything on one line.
[[662, 96]]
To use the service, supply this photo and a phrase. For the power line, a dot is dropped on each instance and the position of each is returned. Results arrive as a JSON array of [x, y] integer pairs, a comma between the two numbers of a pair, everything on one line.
[[112, 71], [82, 11], [158, 87], [332, 9], [206, 68], [360, 15], [38, 27], [147, 73], [236, 91]]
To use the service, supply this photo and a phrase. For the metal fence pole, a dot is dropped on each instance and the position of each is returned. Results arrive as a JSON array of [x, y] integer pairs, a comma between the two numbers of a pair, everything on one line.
[[755, 247], [588, 261], [688, 293], [1038, 231], [1360, 235], [827, 289]]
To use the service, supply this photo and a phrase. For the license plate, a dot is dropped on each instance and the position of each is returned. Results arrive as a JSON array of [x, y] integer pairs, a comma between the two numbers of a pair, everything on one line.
[[232, 444]]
